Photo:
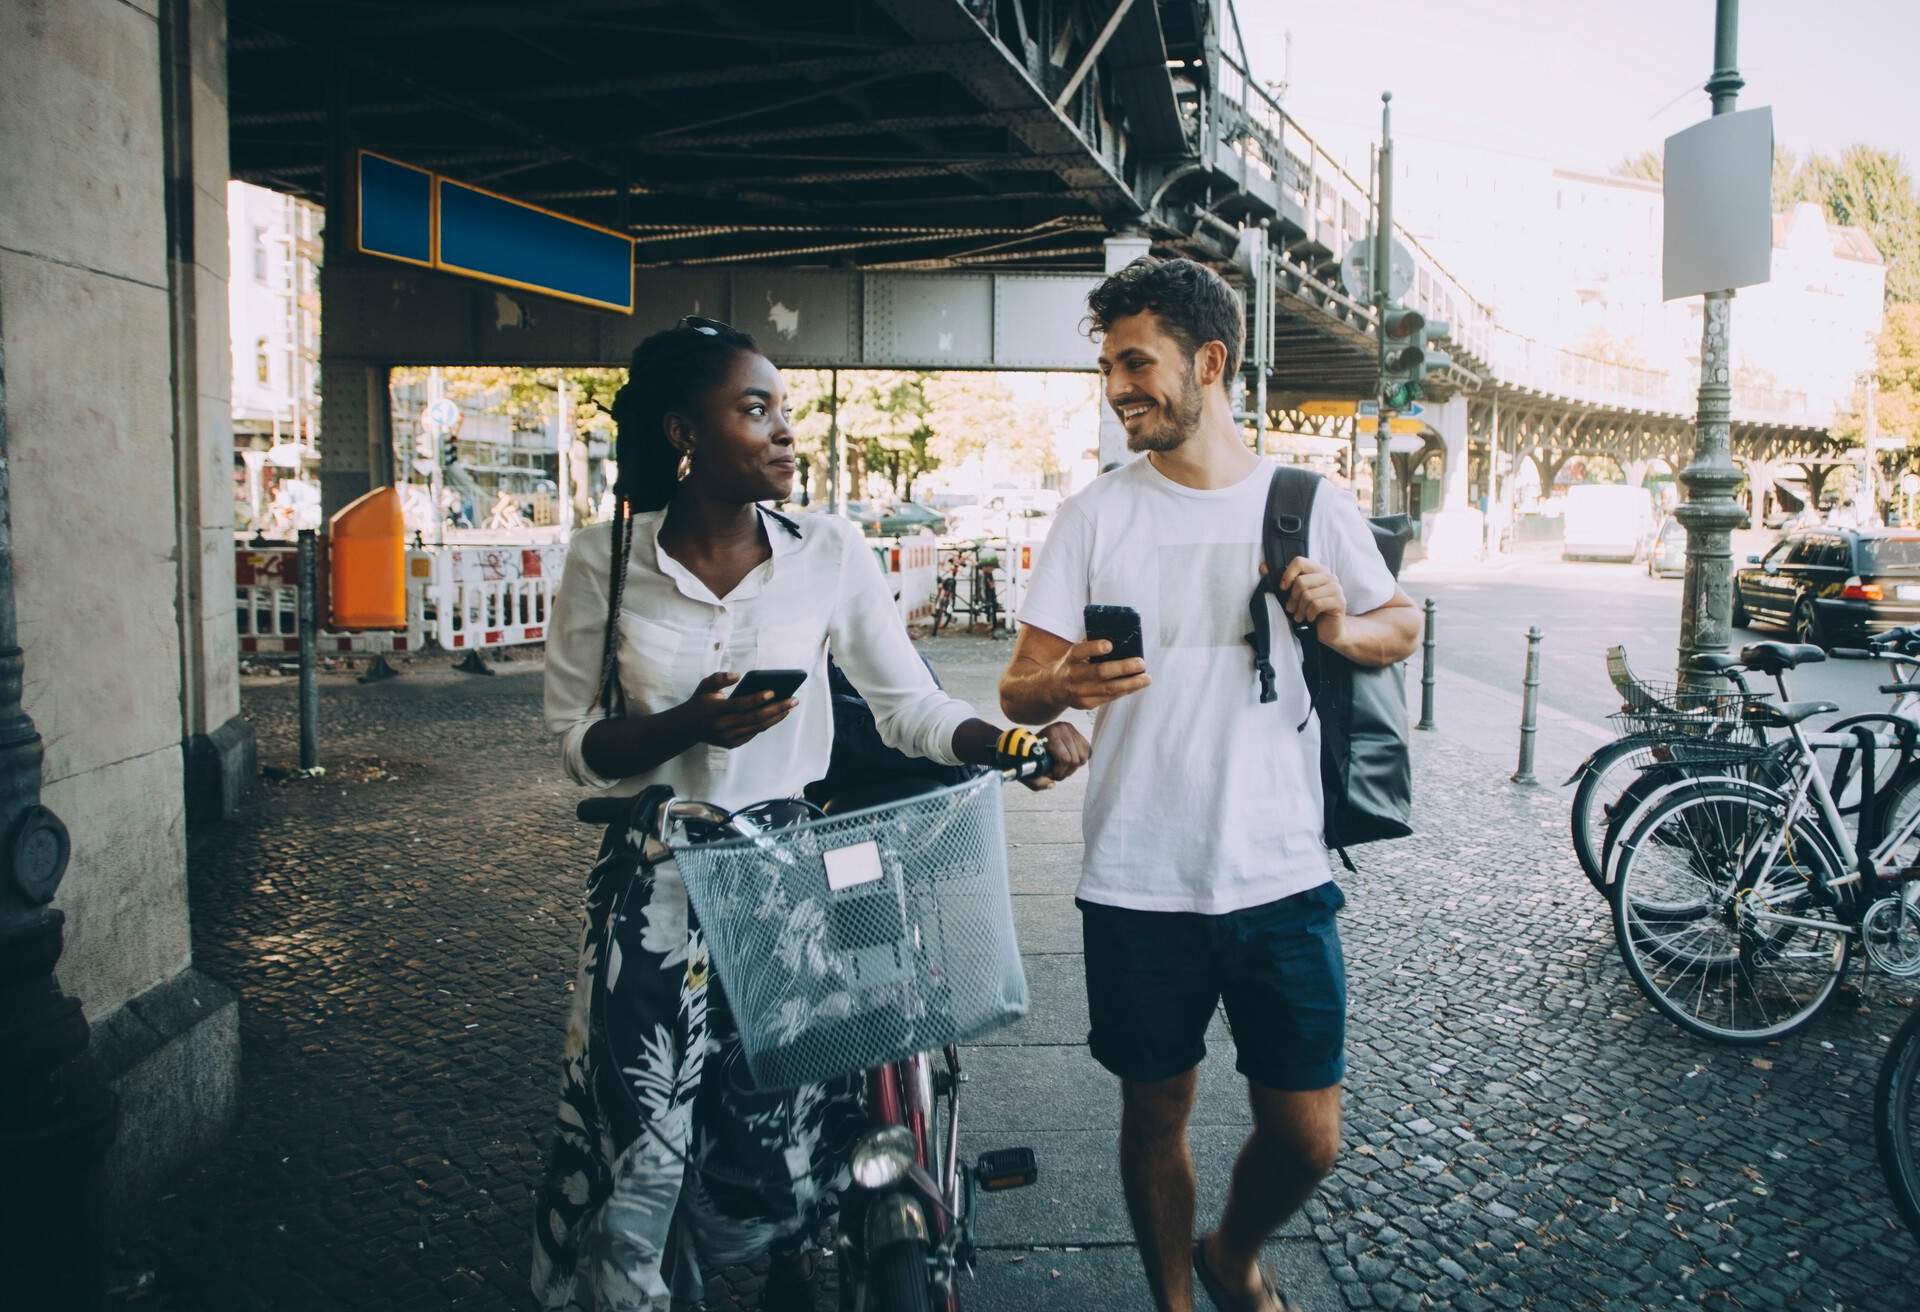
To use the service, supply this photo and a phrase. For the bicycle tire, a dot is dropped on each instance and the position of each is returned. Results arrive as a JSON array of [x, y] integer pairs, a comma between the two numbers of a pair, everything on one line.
[[1698, 971], [897, 1279], [1597, 793], [943, 605], [1896, 1121]]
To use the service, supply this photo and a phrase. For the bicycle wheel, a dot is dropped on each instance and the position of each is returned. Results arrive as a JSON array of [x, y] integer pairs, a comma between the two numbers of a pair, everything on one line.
[[1728, 970], [1608, 774], [1899, 804], [1896, 1121], [943, 605]]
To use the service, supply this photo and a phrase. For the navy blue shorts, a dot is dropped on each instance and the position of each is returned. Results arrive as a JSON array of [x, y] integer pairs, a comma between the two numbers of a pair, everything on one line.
[[1155, 977]]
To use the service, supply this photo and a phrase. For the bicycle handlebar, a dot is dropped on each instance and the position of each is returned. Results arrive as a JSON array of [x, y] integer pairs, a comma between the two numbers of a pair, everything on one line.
[[1020, 754]]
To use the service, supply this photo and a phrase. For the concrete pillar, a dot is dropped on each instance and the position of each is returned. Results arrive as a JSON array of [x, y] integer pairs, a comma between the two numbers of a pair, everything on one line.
[[218, 743], [1120, 252], [1456, 530], [356, 426], [112, 256]]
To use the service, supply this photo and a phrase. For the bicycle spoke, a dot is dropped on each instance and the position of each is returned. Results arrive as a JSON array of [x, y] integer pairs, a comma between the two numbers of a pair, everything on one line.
[[1716, 967]]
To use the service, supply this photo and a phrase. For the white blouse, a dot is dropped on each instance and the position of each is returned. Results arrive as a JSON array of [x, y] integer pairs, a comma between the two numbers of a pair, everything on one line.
[[820, 591]]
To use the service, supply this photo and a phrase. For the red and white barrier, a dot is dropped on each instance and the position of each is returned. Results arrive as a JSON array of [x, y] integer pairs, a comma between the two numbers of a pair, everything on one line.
[[267, 607], [461, 598], [493, 596], [913, 564]]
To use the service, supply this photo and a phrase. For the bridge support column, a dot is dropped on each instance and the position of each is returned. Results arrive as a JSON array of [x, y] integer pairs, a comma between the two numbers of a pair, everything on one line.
[[1120, 252], [356, 432], [1454, 532]]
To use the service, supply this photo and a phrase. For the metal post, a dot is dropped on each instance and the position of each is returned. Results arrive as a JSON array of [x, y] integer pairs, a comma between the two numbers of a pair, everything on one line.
[[309, 651], [1710, 513], [1382, 270], [57, 1116], [1869, 436], [1426, 670], [835, 463], [1529, 708], [563, 469]]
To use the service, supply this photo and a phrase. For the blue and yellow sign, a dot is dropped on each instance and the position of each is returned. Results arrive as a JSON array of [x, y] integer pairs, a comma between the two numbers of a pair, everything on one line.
[[420, 217]]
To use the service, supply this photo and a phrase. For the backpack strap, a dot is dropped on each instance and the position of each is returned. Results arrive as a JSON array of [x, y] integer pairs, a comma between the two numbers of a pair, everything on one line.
[[1283, 535]]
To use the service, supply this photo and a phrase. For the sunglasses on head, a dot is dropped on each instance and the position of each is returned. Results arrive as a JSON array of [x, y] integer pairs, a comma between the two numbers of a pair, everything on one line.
[[705, 326]]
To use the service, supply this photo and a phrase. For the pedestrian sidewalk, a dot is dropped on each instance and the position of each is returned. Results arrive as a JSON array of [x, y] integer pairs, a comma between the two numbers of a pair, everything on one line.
[[1522, 1130]]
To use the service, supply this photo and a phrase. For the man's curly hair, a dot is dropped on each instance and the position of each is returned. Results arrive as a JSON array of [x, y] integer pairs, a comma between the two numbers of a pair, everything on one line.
[[1192, 302]]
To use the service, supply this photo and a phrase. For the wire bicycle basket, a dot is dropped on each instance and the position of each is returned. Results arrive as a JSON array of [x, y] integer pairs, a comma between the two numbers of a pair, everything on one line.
[[855, 940]]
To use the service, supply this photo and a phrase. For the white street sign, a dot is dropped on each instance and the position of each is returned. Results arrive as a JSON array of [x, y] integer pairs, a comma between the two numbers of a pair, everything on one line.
[[1717, 184]]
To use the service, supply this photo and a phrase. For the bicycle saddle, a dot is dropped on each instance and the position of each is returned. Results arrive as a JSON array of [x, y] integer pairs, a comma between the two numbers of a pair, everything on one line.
[[1775, 657], [1778, 715], [1715, 662]]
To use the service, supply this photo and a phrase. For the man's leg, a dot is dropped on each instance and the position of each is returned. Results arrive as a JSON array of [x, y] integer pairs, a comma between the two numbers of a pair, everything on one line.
[[1156, 1170], [1296, 1137], [1286, 997]]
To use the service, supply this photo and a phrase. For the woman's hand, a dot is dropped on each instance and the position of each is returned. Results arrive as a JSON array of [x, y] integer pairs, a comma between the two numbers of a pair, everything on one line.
[[723, 721]]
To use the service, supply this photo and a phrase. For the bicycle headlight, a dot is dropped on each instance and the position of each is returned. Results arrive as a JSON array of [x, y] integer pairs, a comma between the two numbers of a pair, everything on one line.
[[882, 1157]]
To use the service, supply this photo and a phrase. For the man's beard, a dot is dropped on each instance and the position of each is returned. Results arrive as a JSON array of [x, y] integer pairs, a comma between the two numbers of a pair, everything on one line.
[[1181, 421]]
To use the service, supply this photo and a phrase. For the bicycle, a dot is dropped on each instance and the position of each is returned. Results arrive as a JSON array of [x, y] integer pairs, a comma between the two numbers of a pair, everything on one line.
[[1618, 778], [983, 592], [1896, 1120], [862, 942], [1738, 897]]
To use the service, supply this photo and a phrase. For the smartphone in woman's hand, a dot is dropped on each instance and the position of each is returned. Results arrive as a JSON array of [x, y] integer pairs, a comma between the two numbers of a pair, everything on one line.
[[781, 683]]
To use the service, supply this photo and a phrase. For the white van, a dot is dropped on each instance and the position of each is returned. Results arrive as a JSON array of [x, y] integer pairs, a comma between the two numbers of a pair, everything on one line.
[[1606, 521]]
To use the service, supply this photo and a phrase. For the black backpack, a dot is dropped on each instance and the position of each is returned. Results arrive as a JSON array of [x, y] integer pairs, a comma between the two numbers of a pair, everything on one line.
[[1365, 771]]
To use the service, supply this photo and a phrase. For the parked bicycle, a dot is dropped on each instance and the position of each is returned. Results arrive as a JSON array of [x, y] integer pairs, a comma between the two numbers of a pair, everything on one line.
[[1896, 1120], [1740, 894], [1663, 725], [976, 565], [871, 941]]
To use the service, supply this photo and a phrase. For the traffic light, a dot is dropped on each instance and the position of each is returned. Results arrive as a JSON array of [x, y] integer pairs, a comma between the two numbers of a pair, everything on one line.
[[1405, 355]]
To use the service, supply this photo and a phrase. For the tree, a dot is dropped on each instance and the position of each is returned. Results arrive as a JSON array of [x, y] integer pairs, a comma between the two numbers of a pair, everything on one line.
[[1648, 166], [1870, 188]]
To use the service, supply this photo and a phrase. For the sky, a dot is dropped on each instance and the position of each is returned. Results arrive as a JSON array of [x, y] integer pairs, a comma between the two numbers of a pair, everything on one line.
[[1585, 83]]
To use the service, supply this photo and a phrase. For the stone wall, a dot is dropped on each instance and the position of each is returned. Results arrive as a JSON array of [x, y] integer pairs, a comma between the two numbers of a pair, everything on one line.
[[112, 306]]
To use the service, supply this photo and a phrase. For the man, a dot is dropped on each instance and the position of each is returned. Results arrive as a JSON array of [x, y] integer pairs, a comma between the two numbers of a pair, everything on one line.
[[1205, 876]]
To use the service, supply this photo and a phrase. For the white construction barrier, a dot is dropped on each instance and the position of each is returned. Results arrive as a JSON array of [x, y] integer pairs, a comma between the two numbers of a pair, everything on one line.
[[458, 597], [913, 566], [493, 596]]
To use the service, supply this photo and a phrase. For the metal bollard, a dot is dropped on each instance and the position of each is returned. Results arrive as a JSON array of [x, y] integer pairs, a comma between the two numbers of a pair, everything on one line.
[[309, 652], [1426, 671], [1529, 708]]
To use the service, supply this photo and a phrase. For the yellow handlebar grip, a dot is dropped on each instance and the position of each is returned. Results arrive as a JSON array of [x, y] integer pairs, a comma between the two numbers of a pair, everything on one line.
[[1017, 744]]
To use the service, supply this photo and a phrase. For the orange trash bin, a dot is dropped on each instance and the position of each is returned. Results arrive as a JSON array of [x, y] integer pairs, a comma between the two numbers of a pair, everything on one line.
[[367, 563]]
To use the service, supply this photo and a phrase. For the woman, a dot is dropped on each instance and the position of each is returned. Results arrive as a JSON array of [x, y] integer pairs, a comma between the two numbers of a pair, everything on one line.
[[640, 655]]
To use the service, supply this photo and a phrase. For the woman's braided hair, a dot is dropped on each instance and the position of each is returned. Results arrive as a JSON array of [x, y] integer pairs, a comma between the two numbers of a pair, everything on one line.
[[668, 373]]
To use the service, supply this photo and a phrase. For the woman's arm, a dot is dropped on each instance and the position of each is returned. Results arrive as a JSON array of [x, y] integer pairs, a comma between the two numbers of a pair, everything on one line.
[[640, 744]]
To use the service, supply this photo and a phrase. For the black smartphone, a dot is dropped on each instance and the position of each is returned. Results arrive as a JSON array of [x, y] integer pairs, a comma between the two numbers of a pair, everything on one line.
[[781, 683], [1119, 625]]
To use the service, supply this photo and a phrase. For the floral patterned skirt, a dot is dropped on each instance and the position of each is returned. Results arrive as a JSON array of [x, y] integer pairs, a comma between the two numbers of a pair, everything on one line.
[[666, 1162]]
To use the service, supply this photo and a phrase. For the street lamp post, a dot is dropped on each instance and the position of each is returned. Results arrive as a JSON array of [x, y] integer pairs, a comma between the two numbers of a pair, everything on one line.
[[1710, 513], [1382, 267]]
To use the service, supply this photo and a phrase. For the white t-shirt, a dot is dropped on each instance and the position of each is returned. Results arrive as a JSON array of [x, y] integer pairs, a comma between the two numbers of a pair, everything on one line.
[[1199, 798]]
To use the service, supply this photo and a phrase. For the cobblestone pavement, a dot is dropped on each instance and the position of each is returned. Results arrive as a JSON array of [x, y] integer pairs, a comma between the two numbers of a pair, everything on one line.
[[1523, 1131]]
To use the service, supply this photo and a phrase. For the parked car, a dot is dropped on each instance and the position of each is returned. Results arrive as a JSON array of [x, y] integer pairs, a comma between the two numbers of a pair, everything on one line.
[[1667, 553], [906, 517], [1832, 586], [1606, 521]]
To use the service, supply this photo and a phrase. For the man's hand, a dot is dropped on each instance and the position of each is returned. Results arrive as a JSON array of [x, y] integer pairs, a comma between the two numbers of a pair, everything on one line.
[[1310, 593], [1068, 748], [720, 721], [1085, 685]]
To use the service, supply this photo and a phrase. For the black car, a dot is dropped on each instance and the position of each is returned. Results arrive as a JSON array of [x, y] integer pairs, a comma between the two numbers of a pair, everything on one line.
[[1832, 586]]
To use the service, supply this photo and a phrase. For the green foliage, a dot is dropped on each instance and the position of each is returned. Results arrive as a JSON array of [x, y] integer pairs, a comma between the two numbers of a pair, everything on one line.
[[1870, 188], [1648, 166]]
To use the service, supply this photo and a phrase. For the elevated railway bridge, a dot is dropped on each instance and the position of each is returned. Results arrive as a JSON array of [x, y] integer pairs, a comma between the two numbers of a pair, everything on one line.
[[883, 183]]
